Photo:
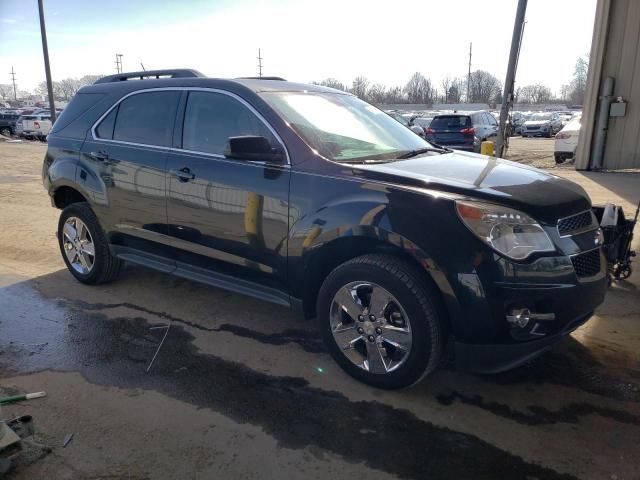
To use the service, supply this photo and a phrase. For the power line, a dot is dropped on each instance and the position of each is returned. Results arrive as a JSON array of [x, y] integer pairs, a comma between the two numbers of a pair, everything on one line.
[[13, 80], [119, 62], [259, 64]]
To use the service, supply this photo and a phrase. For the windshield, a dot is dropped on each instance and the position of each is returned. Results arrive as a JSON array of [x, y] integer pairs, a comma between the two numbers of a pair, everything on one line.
[[343, 128], [540, 117]]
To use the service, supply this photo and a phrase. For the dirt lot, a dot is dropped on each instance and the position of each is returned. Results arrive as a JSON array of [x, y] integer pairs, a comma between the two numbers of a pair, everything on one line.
[[244, 389]]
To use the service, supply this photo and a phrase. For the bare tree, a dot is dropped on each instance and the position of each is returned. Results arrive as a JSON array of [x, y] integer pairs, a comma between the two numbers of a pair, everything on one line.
[[41, 89], [446, 83], [454, 93], [419, 89], [332, 83], [483, 87], [360, 87], [377, 93], [89, 79], [579, 82], [68, 87], [536, 93], [6, 91], [394, 95]]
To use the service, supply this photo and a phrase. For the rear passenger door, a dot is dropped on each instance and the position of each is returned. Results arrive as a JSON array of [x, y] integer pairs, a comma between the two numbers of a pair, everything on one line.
[[124, 164], [227, 216]]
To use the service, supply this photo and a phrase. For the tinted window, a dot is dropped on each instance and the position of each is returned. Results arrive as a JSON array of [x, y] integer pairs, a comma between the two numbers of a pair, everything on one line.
[[79, 104], [147, 118], [105, 128], [451, 121], [211, 118]]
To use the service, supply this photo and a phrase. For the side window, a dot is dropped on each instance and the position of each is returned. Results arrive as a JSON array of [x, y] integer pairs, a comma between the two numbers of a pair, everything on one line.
[[492, 120], [147, 118], [105, 128], [211, 118]]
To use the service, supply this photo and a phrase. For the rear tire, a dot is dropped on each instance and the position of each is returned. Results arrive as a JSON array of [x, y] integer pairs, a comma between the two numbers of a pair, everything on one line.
[[92, 269], [559, 158], [406, 341], [5, 131]]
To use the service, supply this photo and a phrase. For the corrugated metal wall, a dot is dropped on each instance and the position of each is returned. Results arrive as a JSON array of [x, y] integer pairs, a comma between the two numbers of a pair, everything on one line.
[[622, 62]]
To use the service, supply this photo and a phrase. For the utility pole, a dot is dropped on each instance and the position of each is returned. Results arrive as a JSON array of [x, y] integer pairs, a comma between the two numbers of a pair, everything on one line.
[[469, 75], [509, 82], [47, 68], [259, 64], [142, 65], [119, 62], [13, 80]]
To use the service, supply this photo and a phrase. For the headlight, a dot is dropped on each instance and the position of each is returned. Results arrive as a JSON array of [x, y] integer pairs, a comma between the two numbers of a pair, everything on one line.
[[512, 233]]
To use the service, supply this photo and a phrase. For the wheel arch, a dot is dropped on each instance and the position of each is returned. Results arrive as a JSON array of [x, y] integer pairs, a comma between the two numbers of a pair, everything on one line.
[[326, 257]]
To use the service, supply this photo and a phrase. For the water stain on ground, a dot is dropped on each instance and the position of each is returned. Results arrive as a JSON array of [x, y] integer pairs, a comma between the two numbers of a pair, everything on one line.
[[536, 415], [112, 351]]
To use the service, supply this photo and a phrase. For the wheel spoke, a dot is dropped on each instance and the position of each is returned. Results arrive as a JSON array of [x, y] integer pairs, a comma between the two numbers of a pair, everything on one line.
[[83, 261], [379, 300], [398, 337], [375, 361], [89, 248], [345, 335], [347, 299], [69, 231], [70, 252], [81, 229]]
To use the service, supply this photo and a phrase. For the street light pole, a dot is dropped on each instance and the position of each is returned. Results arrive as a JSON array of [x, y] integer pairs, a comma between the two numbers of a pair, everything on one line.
[[47, 69], [509, 83]]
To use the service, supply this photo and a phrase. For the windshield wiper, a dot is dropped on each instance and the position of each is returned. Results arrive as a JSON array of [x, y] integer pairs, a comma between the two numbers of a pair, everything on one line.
[[420, 151]]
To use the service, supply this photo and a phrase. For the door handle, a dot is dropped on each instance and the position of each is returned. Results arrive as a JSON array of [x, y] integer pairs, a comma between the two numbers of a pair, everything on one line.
[[101, 156], [184, 174]]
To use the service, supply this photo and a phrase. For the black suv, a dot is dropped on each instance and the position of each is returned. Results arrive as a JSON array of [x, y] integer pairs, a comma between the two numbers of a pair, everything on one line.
[[309, 197]]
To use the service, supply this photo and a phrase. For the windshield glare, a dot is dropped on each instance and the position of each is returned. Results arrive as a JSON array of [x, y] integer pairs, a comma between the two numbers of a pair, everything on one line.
[[344, 128]]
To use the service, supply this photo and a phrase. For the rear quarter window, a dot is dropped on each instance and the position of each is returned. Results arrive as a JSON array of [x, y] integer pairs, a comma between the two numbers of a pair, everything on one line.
[[79, 104], [147, 118]]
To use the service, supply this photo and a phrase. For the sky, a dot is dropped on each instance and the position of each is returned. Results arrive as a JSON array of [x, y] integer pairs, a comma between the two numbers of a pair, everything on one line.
[[300, 40]]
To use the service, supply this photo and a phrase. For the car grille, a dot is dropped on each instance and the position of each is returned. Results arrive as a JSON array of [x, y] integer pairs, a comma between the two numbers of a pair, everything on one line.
[[575, 223], [532, 128], [587, 264]]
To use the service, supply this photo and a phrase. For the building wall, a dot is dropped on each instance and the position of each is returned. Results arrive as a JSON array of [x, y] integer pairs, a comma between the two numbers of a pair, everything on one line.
[[622, 62], [615, 52]]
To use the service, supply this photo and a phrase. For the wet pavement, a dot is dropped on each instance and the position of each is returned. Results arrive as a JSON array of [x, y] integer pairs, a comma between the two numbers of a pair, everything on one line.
[[244, 389]]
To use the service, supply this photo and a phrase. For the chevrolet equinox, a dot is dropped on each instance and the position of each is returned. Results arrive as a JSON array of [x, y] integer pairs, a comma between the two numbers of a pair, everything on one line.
[[308, 197]]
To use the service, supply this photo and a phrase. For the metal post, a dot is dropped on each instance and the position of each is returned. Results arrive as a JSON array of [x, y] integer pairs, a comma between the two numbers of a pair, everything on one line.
[[469, 75], [602, 123], [259, 64], [13, 79], [509, 83], [47, 69]]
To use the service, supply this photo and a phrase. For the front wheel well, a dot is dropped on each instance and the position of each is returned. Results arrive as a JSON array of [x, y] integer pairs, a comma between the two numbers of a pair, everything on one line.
[[342, 250], [65, 196]]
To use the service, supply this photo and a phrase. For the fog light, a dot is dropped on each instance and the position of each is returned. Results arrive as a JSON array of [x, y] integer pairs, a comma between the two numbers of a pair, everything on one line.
[[519, 317]]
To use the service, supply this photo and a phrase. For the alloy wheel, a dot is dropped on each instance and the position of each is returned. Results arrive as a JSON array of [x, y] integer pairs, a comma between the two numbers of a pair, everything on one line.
[[78, 245], [370, 327]]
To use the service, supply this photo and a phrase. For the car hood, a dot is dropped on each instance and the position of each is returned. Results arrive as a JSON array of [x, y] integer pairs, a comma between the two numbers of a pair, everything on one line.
[[544, 196], [535, 123]]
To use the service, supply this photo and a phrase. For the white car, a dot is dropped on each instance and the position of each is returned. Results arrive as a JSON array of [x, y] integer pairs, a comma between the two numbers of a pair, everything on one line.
[[34, 126], [567, 140]]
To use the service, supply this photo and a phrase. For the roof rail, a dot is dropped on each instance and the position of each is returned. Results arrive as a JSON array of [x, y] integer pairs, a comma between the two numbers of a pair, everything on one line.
[[175, 73], [262, 78]]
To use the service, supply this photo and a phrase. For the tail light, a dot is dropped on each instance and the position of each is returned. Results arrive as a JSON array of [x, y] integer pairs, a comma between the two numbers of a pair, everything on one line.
[[563, 135], [429, 130], [468, 131], [36, 124]]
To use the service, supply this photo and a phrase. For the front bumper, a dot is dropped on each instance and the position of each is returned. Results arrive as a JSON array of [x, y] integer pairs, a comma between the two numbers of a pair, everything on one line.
[[572, 306], [498, 358]]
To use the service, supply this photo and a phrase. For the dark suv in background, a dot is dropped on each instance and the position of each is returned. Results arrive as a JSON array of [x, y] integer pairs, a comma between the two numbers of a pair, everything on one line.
[[8, 123], [308, 197], [462, 131]]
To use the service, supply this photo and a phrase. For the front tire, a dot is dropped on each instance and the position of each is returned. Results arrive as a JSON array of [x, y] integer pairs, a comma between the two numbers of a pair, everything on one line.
[[84, 246], [380, 321]]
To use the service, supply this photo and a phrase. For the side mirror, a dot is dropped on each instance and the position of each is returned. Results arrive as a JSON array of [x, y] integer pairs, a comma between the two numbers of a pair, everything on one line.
[[253, 147]]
